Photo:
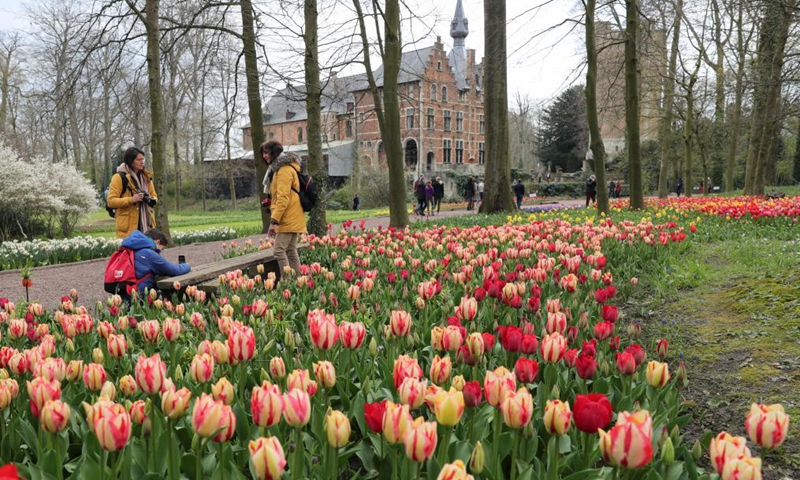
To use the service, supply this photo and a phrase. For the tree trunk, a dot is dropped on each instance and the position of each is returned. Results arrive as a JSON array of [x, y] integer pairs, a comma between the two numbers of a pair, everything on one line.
[[317, 222], [254, 100], [688, 131], [598, 150], [632, 105], [200, 164], [796, 163], [107, 167], [766, 97], [389, 114], [156, 114], [735, 127], [497, 169], [718, 132], [665, 131]]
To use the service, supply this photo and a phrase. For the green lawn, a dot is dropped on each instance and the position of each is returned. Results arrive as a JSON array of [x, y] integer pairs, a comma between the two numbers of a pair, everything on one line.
[[245, 222]]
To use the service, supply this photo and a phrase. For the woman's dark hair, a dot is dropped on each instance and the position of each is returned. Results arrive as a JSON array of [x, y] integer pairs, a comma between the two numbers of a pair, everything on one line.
[[130, 155], [157, 236], [273, 147]]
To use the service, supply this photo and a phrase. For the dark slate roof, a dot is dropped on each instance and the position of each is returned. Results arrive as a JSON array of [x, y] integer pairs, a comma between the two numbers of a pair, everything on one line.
[[337, 92]]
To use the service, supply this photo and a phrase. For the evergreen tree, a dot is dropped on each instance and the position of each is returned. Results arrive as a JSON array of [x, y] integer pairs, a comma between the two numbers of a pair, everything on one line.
[[564, 133]]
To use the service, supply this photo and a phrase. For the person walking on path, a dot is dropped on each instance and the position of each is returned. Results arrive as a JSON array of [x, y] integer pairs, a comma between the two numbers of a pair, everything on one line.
[[419, 193], [519, 192], [480, 190], [132, 194], [469, 193], [618, 189], [438, 193], [679, 186], [356, 202], [429, 197], [591, 190], [287, 220], [612, 188]]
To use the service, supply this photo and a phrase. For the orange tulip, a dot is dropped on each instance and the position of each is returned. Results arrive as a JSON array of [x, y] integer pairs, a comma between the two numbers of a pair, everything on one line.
[[742, 468], [297, 407], [110, 423], [41, 390], [441, 369], [267, 458], [725, 446], [517, 408], [300, 379], [396, 422], [55, 416], [94, 376], [629, 442], [266, 405], [412, 392], [767, 425], [497, 384], [557, 417], [420, 440], [201, 370]]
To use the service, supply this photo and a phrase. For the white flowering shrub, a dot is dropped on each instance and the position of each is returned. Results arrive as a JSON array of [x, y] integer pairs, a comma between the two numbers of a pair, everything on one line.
[[39, 195], [37, 253]]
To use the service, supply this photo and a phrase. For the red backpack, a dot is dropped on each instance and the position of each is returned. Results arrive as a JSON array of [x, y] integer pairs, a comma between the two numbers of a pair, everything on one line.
[[120, 273]]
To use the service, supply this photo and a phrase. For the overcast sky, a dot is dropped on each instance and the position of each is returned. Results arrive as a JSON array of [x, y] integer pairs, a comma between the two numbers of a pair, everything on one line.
[[541, 63]]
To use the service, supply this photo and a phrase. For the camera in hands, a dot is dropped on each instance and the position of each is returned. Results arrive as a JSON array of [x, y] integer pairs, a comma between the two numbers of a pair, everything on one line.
[[150, 201]]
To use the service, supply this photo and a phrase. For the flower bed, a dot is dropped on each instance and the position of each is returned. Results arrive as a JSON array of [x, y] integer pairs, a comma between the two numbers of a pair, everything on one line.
[[751, 207], [37, 253], [494, 352]]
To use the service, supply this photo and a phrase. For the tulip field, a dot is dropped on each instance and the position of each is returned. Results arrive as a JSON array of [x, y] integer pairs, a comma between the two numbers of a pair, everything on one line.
[[490, 348]]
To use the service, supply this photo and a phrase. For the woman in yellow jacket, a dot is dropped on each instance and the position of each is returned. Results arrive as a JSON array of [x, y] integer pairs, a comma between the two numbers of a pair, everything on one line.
[[282, 186], [135, 198]]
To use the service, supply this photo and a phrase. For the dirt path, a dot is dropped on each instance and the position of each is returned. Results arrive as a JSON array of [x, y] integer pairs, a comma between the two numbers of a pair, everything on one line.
[[52, 282]]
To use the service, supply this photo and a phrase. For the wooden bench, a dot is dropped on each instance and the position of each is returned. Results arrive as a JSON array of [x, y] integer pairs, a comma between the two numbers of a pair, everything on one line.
[[206, 276]]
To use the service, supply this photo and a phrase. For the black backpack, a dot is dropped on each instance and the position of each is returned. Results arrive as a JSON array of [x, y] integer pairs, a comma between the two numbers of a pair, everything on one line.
[[307, 192], [112, 212]]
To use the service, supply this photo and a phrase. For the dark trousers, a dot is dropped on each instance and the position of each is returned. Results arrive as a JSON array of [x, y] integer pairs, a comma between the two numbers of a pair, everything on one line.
[[590, 196]]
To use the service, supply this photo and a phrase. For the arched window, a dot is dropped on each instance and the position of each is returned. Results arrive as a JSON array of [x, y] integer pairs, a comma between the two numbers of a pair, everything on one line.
[[433, 91], [444, 94]]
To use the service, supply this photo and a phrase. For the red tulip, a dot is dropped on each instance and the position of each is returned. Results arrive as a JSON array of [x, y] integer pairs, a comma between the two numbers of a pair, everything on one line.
[[603, 330], [571, 357], [373, 415], [626, 364], [638, 353], [473, 394], [609, 313], [529, 344], [586, 366], [511, 338], [613, 343], [526, 370], [591, 412]]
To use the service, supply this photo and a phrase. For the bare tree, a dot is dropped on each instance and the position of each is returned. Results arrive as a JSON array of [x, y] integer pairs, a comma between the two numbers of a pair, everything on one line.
[[318, 223], [388, 112], [596, 139], [497, 176], [665, 132], [632, 97]]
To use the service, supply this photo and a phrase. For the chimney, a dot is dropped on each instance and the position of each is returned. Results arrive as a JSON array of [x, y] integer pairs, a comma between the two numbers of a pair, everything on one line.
[[470, 58]]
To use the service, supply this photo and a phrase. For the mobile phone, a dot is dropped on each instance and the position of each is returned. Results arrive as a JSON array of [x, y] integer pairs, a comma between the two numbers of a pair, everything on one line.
[[181, 258]]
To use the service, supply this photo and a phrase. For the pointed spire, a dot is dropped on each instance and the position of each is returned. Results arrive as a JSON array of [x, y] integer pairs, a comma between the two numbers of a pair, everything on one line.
[[459, 28]]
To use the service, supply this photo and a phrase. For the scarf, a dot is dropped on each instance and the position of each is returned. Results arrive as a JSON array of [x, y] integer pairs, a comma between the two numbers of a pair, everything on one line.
[[141, 185], [283, 159]]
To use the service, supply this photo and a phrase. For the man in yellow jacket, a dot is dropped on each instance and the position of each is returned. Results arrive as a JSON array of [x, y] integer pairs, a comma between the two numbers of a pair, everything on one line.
[[282, 186]]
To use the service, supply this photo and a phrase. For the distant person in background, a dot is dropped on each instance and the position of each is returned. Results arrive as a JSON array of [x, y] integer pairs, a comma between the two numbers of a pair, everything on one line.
[[356, 202], [438, 193], [547, 177], [702, 191], [679, 186], [419, 194], [618, 190], [469, 193], [429, 197], [480, 190], [539, 178], [133, 195], [612, 188], [591, 190], [519, 192]]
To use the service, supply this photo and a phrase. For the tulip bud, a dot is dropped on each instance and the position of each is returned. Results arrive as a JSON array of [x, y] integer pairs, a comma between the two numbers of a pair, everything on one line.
[[604, 368], [178, 377], [675, 434], [680, 376], [337, 428], [528, 430], [373, 348], [288, 338], [477, 461], [3, 374], [458, 382], [70, 345], [555, 392], [668, 452], [264, 377], [108, 391], [697, 450]]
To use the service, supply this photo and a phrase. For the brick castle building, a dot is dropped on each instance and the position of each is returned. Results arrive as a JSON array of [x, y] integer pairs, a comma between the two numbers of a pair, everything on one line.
[[441, 109]]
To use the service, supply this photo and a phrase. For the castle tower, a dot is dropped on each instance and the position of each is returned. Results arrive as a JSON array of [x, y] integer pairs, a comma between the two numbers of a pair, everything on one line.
[[459, 29]]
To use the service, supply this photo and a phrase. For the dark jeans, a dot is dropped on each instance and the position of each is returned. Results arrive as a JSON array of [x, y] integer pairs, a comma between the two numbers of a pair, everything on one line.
[[421, 205], [590, 196], [437, 203], [519, 201]]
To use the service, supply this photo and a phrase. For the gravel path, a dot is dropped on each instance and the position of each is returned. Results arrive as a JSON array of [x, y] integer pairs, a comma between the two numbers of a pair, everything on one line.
[[52, 282]]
